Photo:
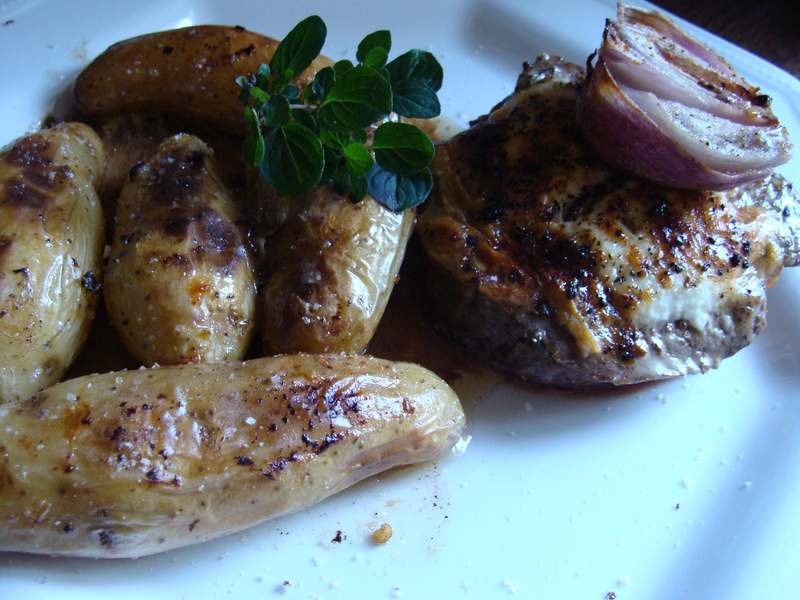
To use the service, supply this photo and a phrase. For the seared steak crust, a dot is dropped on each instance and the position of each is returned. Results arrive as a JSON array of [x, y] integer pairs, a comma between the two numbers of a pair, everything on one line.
[[549, 263]]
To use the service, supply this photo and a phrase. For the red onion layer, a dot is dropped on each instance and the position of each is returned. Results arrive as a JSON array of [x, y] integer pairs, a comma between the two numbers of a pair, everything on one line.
[[661, 105]]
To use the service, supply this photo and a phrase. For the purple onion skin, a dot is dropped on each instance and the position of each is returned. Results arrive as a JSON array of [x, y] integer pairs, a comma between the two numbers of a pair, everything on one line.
[[626, 138]]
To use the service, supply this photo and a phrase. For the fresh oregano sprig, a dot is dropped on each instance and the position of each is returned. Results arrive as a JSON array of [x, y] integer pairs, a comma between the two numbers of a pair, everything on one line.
[[346, 126]]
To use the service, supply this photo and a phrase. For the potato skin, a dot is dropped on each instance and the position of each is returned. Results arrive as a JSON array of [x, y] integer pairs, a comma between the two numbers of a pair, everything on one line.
[[190, 71], [330, 268], [51, 244], [136, 462], [179, 284], [126, 138]]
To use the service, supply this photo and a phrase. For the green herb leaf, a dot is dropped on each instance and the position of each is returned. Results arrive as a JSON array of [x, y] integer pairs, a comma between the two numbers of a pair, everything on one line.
[[253, 148], [262, 77], [338, 140], [300, 47], [401, 148], [360, 136], [376, 58], [378, 39], [355, 187], [317, 92], [359, 98], [251, 117], [398, 192], [267, 113], [305, 118], [282, 114], [293, 159], [341, 67], [242, 81], [328, 132], [333, 162], [417, 64], [415, 99], [258, 94], [291, 92], [281, 80], [359, 159]]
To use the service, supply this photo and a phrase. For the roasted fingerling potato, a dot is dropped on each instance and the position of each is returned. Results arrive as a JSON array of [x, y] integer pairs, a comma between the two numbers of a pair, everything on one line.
[[330, 267], [132, 463], [51, 245], [190, 71], [179, 285], [126, 138]]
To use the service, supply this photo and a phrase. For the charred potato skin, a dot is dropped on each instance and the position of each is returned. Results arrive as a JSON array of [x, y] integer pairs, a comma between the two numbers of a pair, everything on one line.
[[190, 71], [51, 245], [331, 265], [131, 463], [179, 283], [126, 138]]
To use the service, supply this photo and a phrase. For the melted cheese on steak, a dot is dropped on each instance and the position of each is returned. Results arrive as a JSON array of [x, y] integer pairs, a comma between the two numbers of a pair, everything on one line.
[[564, 270]]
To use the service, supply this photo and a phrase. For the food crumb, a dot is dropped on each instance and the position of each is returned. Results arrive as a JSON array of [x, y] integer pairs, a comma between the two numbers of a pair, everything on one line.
[[611, 595], [338, 537], [382, 534]]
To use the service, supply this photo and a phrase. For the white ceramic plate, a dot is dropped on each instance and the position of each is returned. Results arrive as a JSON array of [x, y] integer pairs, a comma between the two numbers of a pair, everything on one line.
[[682, 489]]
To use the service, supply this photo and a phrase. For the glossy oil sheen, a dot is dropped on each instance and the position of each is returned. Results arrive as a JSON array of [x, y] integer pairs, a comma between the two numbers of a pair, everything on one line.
[[556, 495]]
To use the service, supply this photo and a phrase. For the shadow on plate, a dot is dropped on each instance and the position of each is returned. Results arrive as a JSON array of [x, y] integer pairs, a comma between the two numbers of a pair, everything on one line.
[[509, 36]]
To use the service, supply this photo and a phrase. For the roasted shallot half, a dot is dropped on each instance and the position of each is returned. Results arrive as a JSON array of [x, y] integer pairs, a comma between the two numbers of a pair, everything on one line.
[[661, 105]]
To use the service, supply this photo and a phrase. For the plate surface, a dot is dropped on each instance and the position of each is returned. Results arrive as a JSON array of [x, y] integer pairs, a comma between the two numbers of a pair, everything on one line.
[[680, 489]]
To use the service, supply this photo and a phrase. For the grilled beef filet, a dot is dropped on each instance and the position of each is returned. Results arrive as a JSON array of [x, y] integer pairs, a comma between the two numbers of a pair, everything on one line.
[[551, 264]]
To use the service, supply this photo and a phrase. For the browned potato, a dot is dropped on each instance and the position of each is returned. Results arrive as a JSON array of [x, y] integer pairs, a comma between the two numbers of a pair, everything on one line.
[[51, 244], [136, 462], [330, 268], [190, 71], [179, 284], [126, 138]]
